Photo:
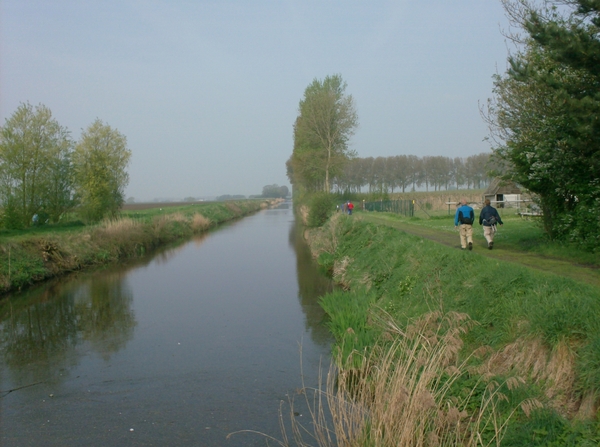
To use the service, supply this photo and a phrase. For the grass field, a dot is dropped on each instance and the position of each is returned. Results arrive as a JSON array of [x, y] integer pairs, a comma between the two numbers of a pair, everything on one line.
[[534, 337], [517, 234], [38, 253]]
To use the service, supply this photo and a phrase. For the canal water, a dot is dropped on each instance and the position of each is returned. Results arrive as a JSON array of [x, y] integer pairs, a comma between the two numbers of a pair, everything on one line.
[[181, 349]]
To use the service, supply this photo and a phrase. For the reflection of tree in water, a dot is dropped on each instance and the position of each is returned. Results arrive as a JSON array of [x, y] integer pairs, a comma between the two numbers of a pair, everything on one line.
[[41, 331], [163, 255], [312, 284], [39, 339], [105, 317]]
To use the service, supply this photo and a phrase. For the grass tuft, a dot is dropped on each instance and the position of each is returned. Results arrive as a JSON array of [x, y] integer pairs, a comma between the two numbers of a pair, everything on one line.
[[403, 393]]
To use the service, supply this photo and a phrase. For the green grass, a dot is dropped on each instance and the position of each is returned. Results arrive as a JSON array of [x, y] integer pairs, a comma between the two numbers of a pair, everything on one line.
[[519, 311], [32, 255], [517, 234]]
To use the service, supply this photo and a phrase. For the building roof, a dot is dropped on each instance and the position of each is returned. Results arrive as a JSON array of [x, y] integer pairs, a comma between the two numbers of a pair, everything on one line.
[[499, 186]]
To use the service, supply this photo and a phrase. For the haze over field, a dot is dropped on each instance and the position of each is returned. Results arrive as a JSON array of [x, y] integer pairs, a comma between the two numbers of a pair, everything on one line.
[[207, 91]]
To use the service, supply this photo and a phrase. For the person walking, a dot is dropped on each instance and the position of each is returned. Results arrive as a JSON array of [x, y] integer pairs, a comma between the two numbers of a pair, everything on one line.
[[463, 220], [489, 218], [350, 207]]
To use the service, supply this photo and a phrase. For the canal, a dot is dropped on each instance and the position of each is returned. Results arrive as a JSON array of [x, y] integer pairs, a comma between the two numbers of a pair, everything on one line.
[[180, 349]]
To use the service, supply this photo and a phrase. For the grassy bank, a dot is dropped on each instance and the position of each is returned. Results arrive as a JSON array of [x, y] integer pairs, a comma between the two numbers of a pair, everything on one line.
[[533, 340], [36, 254], [518, 234]]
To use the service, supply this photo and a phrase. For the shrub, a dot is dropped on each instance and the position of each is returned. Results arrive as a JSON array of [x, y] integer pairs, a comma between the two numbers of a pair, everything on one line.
[[321, 207]]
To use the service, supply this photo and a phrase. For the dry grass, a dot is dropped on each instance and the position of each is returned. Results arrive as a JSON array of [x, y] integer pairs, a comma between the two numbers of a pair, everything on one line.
[[553, 370], [400, 395], [116, 231], [303, 214], [160, 224], [200, 223], [114, 227], [325, 239], [234, 208], [339, 271]]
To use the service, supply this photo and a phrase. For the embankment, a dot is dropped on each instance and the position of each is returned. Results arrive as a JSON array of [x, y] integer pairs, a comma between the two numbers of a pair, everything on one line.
[[33, 257], [533, 329]]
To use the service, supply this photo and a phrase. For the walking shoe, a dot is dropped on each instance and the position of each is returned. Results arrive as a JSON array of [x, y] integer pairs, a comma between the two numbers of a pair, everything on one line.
[[470, 245], [491, 245]]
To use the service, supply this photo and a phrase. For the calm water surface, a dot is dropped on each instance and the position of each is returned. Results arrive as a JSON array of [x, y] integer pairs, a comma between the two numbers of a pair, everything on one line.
[[181, 349]]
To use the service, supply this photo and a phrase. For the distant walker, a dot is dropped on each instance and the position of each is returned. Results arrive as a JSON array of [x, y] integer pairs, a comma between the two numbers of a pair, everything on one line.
[[350, 207]]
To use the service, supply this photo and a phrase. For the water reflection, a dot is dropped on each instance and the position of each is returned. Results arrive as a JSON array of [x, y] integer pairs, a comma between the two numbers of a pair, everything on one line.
[[48, 326], [184, 351], [311, 284], [105, 317], [47, 331]]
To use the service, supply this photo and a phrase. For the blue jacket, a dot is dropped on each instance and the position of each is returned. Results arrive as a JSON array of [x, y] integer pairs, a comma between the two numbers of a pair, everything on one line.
[[486, 213], [464, 212]]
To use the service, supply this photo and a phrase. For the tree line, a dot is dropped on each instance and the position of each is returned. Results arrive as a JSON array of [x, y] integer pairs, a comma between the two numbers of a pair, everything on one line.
[[544, 115], [275, 191], [322, 161], [408, 172], [44, 173]]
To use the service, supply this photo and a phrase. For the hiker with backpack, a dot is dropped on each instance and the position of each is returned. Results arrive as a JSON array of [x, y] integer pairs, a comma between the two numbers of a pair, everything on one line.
[[489, 218], [465, 216]]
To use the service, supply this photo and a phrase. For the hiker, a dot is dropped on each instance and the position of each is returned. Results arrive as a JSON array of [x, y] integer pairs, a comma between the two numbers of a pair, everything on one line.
[[350, 207], [463, 220], [489, 217]]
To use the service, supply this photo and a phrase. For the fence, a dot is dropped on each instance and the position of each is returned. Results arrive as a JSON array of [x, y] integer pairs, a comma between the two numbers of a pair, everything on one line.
[[404, 207]]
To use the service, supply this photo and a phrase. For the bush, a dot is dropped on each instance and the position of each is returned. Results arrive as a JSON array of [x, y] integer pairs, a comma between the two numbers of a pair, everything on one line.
[[321, 206]]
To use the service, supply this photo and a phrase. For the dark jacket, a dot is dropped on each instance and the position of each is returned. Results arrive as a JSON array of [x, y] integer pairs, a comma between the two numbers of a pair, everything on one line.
[[463, 215], [486, 213]]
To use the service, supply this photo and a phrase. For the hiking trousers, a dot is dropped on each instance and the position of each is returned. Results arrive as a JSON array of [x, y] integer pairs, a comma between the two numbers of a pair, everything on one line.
[[488, 234], [466, 234]]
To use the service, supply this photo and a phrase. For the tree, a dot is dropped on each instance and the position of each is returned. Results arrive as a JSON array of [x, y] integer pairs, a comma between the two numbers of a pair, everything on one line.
[[275, 191], [100, 160], [35, 170], [476, 170], [326, 121], [544, 115]]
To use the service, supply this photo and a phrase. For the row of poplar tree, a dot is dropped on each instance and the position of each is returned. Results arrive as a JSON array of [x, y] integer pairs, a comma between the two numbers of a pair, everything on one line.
[[408, 172], [44, 173], [322, 161]]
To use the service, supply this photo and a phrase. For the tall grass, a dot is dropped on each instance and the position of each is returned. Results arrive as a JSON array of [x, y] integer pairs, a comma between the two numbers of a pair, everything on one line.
[[404, 393], [541, 327]]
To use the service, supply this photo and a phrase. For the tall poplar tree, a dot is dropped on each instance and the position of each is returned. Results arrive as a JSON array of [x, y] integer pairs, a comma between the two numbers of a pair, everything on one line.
[[326, 121]]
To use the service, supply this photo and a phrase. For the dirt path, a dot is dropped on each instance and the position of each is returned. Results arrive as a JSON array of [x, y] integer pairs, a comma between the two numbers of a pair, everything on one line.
[[550, 265]]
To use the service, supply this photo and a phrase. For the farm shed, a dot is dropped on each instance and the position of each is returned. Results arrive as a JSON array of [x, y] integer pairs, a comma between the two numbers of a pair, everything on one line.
[[504, 193]]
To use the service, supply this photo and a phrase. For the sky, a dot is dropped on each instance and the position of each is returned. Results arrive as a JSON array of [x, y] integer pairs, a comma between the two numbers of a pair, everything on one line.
[[207, 91]]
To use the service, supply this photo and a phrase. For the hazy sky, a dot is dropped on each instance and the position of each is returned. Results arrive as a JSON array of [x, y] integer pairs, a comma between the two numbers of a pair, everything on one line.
[[206, 92]]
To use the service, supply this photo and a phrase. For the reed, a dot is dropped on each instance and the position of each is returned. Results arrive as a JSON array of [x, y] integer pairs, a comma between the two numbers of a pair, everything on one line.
[[541, 327], [404, 393], [200, 223]]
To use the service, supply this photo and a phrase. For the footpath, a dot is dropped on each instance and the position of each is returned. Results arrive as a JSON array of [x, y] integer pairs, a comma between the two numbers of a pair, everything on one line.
[[560, 267]]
